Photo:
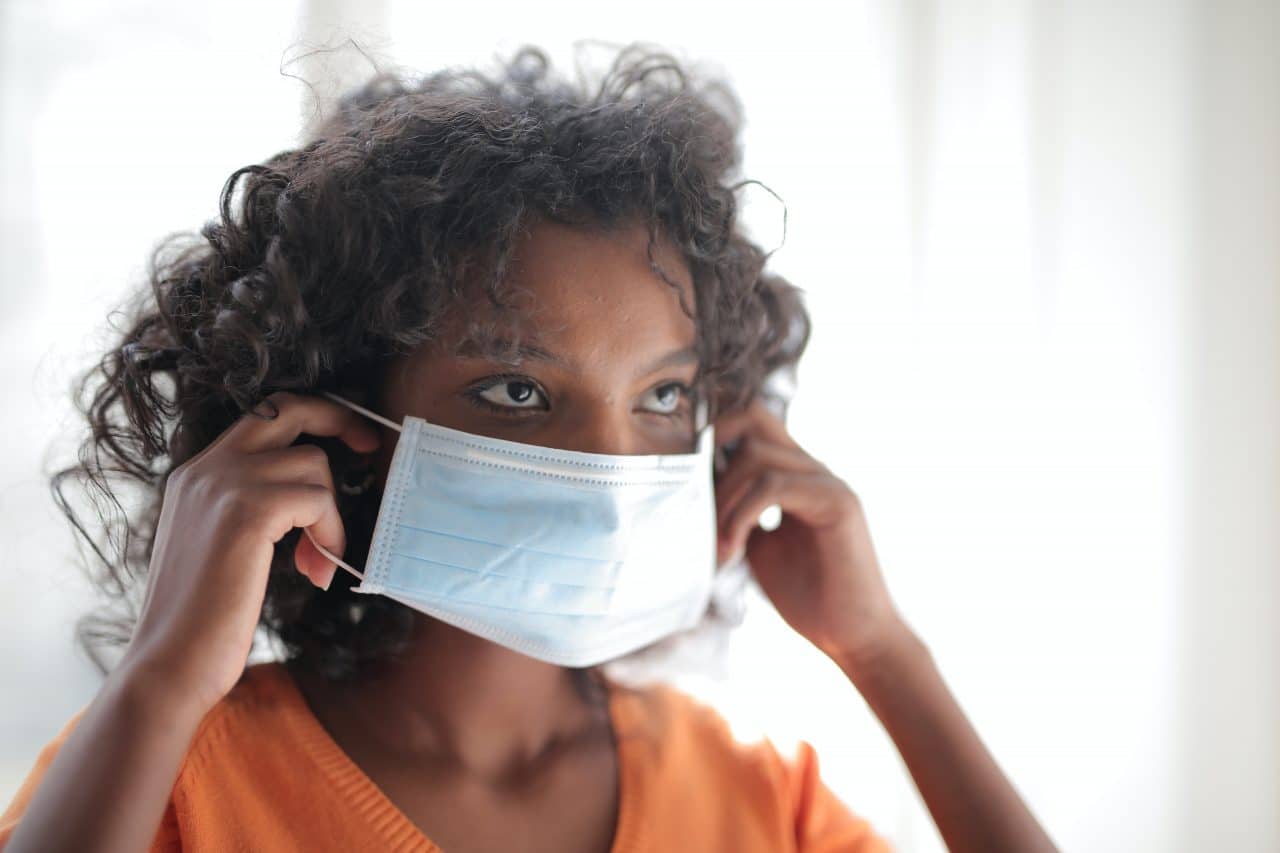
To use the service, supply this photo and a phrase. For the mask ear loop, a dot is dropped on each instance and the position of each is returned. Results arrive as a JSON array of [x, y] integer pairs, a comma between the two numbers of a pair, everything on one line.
[[336, 559], [380, 419], [362, 410]]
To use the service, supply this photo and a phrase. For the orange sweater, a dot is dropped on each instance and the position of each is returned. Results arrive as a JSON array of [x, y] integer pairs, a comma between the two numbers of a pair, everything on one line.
[[685, 783]]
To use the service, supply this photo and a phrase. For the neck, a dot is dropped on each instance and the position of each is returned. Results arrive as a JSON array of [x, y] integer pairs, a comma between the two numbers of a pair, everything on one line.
[[458, 697]]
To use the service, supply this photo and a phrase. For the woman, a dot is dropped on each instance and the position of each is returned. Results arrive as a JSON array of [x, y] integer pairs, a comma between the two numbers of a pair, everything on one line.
[[534, 300]]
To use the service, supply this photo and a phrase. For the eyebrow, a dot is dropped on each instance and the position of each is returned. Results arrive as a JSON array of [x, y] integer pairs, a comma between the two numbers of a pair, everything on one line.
[[675, 358], [505, 351]]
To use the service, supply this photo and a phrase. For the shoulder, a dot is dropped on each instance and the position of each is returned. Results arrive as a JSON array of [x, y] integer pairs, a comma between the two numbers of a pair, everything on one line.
[[686, 729], [231, 736], [687, 757], [250, 775], [260, 702], [249, 720]]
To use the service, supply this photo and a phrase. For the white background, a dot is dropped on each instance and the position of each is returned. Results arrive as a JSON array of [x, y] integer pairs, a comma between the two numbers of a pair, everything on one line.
[[1039, 241]]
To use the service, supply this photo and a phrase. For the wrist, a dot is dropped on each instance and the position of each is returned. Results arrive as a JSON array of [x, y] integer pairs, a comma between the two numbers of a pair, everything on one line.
[[881, 656], [152, 694]]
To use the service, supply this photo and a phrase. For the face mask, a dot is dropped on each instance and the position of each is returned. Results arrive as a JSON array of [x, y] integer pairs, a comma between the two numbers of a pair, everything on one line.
[[572, 558]]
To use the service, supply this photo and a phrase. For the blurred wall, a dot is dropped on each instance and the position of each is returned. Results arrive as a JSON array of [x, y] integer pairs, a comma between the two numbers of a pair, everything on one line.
[[1229, 650]]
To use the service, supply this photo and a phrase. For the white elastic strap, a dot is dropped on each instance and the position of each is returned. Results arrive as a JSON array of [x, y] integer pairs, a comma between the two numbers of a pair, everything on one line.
[[330, 555], [380, 419], [362, 410]]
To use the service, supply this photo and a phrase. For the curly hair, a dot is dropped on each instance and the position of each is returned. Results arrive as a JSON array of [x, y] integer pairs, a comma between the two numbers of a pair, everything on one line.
[[328, 260]]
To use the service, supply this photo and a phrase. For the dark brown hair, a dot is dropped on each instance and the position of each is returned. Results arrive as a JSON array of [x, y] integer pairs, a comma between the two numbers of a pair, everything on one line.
[[332, 258]]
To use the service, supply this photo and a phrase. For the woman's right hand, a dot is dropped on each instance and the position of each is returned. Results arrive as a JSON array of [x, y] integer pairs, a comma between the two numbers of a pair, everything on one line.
[[223, 511]]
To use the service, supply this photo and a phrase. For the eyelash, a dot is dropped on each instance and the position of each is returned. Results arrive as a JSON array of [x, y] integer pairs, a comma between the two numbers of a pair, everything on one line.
[[473, 395]]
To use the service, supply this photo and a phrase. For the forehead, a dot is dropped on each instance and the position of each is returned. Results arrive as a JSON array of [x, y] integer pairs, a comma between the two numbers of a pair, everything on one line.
[[576, 289]]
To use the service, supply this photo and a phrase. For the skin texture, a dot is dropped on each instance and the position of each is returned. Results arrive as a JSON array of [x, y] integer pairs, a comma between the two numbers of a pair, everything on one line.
[[482, 747]]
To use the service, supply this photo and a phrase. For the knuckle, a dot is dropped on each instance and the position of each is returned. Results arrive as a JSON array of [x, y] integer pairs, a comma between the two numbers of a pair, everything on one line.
[[179, 475], [190, 479], [321, 492], [270, 406], [195, 481], [848, 501], [238, 504], [325, 495], [853, 499], [320, 496], [314, 455], [318, 463], [771, 480]]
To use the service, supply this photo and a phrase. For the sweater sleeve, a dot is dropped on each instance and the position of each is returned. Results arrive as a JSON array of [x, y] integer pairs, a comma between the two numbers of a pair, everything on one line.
[[166, 840], [823, 823]]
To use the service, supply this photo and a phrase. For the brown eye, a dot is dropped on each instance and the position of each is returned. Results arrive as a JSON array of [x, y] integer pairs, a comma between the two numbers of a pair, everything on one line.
[[510, 394], [667, 398]]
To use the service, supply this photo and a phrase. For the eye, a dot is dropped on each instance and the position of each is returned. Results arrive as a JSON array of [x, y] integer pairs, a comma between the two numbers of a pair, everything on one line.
[[508, 393], [668, 398]]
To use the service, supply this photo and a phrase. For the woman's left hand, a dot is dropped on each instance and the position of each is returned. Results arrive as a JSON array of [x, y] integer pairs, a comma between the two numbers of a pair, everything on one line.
[[818, 566]]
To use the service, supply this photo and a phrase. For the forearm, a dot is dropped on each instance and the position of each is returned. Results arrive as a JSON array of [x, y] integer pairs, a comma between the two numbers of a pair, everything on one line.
[[972, 802], [107, 788]]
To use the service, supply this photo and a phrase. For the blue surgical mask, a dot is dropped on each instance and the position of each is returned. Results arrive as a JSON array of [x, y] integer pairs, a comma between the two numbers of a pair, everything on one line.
[[573, 558]]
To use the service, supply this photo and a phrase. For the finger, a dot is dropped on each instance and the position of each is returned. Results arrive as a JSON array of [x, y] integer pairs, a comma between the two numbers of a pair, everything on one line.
[[311, 562], [755, 417], [753, 456], [286, 464], [299, 413], [808, 496], [310, 505], [302, 463]]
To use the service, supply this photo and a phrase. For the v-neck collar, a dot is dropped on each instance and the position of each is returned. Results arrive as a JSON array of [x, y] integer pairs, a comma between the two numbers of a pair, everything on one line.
[[393, 826]]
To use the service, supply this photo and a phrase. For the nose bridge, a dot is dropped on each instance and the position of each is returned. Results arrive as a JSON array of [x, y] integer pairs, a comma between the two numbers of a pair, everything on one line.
[[599, 428], [605, 427]]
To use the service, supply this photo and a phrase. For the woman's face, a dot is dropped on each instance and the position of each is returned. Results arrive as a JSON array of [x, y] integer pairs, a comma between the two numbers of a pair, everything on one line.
[[605, 361]]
